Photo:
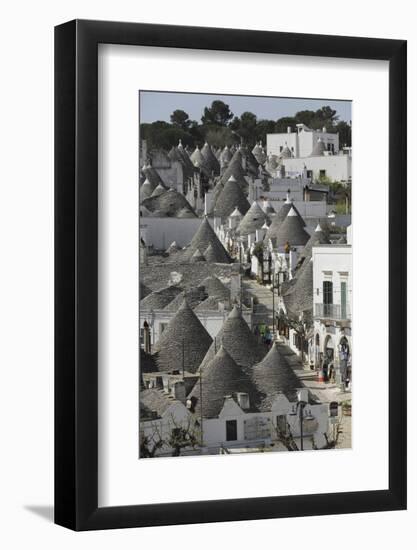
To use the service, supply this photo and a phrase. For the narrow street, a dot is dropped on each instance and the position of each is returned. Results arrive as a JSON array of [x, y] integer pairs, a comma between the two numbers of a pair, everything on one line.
[[325, 392], [264, 305]]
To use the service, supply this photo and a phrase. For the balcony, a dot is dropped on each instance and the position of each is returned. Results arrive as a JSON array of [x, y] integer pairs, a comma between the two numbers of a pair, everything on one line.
[[336, 312]]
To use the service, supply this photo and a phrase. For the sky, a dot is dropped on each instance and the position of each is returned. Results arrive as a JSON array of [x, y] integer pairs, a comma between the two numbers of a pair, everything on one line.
[[160, 105]]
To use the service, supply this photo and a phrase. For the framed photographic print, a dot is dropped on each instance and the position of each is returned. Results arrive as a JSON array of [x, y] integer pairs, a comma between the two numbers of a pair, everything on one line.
[[230, 275]]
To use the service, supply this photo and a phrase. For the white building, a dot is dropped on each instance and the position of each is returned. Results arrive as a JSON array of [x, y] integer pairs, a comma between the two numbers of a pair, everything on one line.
[[240, 412], [334, 167], [312, 154], [332, 291], [301, 143]]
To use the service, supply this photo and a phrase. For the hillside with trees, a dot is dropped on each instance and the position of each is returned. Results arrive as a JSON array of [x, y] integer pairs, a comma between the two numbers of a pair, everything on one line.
[[220, 127]]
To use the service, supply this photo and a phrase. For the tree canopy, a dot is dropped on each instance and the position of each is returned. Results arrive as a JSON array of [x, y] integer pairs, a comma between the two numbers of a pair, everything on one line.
[[220, 127], [218, 114]]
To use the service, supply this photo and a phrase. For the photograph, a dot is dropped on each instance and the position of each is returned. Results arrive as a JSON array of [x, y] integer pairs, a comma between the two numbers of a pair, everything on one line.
[[245, 268]]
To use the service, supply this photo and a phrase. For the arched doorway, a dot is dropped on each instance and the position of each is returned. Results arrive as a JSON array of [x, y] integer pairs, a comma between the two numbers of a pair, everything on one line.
[[344, 361], [328, 358]]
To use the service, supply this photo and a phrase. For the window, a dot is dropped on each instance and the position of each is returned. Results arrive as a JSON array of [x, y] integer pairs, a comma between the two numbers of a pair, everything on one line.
[[322, 173], [327, 297], [310, 174], [231, 430], [280, 148], [162, 327], [343, 300]]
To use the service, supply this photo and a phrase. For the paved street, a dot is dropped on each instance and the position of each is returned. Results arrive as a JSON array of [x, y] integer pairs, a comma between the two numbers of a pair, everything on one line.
[[263, 295]]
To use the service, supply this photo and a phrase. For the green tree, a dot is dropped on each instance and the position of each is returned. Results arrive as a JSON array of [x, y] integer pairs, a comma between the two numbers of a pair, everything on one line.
[[181, 119], [219, 136], [325, 116], [263, 128], [305, 117], [245, 127], [345, 133], [219, 114], [282, 124]]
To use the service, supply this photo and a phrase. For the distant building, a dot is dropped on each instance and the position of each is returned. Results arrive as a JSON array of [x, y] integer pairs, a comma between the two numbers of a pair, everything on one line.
[[307, 153], [302, 143]]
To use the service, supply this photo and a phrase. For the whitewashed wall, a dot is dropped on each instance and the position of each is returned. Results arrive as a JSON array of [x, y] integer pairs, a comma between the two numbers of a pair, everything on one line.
[[338, 167]]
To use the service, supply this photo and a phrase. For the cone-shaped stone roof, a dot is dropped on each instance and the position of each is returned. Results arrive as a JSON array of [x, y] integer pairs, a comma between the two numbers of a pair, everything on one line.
[[210, 255], [259, 153], [145, 190], [272, 163], [203, 238], [172, 248], [197, 158], [273, 375], [254, 219], [175, 155], [152, 175], [160, 298], [183, 344], [291, 230], [299, 297], [267, 207], [220, 378], [159, 189], [318, 149], [197, 257], [231, 197], [170, 203], [186, 213], [318, 237], [214, 287], [143, 291], [237, 338], [234, 169], [286, 153], [211, 161], [193, 296], [279, 218], [226, 155]]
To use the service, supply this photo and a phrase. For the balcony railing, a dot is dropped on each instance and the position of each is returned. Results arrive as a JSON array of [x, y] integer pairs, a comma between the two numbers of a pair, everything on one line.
[[336, 312]]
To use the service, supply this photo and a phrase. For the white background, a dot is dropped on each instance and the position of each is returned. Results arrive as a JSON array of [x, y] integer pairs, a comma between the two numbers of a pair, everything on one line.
[[26, 404], [125, 480]]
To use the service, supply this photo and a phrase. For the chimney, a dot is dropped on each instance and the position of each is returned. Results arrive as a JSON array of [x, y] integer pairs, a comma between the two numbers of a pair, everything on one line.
[[260, 234], [288, 129], [243, 400], [235, 287], [293, 260], [324, 130]]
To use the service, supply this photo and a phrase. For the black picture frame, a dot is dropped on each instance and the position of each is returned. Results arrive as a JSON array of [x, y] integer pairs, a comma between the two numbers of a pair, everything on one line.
[[76, 272]]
